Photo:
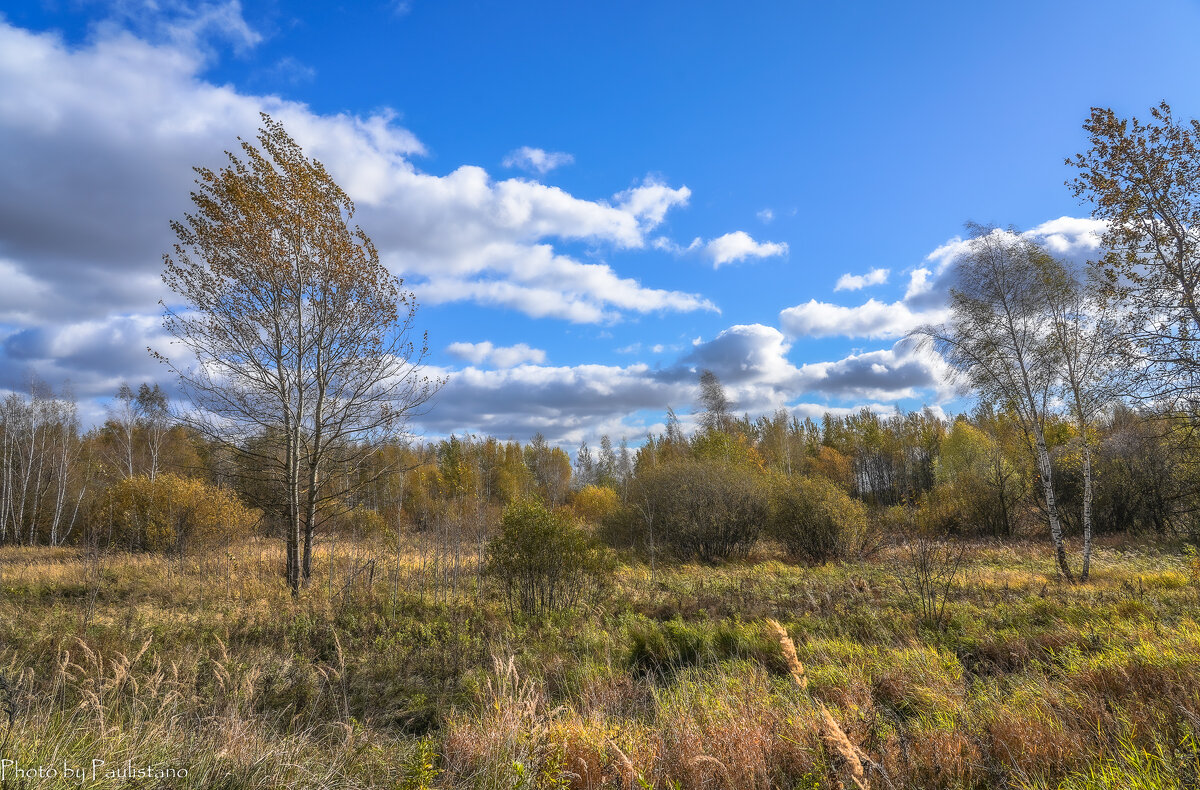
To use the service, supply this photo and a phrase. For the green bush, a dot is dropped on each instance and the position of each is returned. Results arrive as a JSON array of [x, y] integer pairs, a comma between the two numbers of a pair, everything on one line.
[[542, 560], [816, 520]]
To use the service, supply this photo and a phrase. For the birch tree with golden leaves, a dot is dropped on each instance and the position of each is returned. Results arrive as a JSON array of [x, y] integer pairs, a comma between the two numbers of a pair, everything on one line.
[[1143, 179], [298, 344]]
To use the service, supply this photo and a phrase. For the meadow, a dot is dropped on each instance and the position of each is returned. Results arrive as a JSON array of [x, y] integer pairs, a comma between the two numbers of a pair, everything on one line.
[[388, 671]]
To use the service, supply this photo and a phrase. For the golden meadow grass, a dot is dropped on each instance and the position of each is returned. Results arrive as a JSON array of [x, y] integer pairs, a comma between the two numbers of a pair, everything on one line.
[[758, 674]]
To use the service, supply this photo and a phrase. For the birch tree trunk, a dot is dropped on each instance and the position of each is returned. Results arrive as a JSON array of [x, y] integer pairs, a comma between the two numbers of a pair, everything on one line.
[[1046, 475]]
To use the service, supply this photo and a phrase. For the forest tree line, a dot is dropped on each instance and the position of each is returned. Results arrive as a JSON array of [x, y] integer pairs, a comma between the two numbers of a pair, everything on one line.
[[970, 475]]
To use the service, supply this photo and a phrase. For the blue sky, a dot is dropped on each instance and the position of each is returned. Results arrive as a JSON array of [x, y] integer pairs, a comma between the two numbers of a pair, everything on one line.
[[696, 180]]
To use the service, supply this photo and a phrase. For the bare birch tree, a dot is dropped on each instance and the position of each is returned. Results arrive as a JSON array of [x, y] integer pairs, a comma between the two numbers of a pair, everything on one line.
[[122, 421], [998, 339], [1086, 347], [42, 481], [154, 422]]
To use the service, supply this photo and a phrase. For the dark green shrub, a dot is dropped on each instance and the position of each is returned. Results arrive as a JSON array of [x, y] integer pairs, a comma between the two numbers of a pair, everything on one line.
[[698, 507], [815, 520], [542, 560]]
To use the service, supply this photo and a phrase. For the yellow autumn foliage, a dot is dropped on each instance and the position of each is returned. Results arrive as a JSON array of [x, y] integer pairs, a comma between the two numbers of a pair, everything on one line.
[[169, 513], [592, 504]]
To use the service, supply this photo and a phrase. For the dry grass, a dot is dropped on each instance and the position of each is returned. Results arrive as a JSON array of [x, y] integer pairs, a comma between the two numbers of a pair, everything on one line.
[[209, 665]]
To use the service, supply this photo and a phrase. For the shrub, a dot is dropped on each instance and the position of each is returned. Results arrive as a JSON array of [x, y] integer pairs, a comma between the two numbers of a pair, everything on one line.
[[169, 513], [359, 522], [543, 560], [927, 571], [949, 509], [815, 519], [594, 504], [705, 508]]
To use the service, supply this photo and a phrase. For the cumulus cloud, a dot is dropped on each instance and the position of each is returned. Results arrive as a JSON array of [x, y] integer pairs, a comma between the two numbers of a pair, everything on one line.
[[1076, 238], [650, 201], [753, 362], [499, 356], [536, 160], [738, 246], [856, 282], [92, 357], [730, 248], [1073, 238], [565, 403], [99, 143], [925, 295], [568, 403], [745, 353], [543, 283], [872, 319], [100, 140], [891, 374]]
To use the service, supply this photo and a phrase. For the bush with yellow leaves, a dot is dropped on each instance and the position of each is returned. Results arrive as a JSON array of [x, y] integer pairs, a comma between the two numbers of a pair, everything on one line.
[[593, 504], [168, 513]]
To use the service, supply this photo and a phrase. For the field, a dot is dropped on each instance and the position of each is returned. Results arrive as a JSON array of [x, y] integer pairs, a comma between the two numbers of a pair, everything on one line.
[[389, 674]]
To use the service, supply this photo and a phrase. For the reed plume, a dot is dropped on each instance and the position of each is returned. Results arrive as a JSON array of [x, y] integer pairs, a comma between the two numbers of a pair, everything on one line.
[[795, 668]]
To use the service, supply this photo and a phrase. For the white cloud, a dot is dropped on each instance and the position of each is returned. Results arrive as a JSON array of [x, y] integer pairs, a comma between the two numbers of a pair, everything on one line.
[[1075, 238], [752, 362], [568, 403], [99, 143], [924, 300], [872, 319], [896, 373], [650, 201], [100, 140], [918, 283], [544, 284], [500, 356], [564, 403], [745, 352], [815, 411], [738, 246], [1070, 237], [93, 356], [536, 160], [856, 282], [765, 216]]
